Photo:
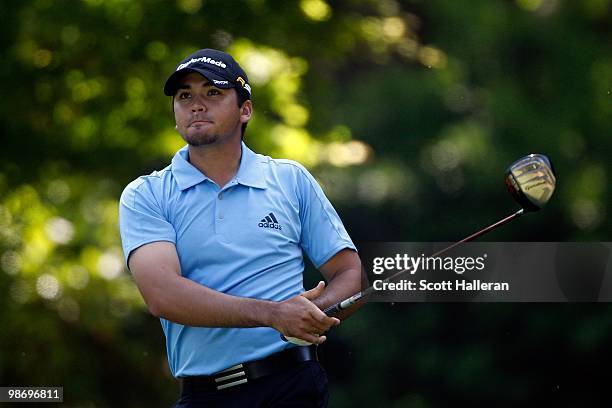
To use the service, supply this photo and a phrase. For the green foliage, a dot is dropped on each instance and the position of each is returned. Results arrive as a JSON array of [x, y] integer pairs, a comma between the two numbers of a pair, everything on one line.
[[407, 112]]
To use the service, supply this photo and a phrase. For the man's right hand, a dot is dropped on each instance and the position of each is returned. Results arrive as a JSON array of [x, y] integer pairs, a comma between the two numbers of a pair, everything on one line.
[[300, 318]]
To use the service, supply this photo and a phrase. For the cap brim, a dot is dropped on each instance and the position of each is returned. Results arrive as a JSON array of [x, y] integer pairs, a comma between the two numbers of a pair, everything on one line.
[[173, 81]]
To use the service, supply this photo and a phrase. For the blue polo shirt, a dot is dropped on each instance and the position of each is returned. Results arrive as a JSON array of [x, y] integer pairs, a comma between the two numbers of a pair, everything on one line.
[[245, 239]]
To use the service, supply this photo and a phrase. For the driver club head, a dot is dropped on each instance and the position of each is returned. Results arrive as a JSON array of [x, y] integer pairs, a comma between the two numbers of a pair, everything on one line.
[[531, 181]]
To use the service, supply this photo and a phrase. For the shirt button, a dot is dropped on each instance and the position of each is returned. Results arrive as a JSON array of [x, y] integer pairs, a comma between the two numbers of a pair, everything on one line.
[[220, 216], [220, 196]]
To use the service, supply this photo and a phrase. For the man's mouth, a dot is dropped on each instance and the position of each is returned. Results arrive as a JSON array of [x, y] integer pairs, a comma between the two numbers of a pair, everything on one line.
[[200, 122]]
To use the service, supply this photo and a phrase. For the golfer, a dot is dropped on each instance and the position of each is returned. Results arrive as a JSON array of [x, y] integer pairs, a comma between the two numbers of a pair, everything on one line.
[[214, 242]]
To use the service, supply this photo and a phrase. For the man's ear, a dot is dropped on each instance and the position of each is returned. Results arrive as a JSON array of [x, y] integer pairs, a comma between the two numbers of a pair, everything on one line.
[[246, 111]]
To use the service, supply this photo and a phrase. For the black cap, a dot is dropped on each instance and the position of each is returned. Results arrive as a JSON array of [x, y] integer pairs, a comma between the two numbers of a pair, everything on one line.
[[215, 65]]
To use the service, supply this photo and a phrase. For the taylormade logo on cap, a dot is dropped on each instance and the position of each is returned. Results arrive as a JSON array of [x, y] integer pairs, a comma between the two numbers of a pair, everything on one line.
[[217, 66], [207, 60]]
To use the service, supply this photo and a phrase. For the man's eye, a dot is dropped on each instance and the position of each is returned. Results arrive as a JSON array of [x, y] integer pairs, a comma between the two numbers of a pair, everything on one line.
[[214, 92], [184, 95]]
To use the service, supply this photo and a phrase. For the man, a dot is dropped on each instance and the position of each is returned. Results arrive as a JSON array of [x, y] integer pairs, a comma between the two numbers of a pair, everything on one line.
[[214, 242]]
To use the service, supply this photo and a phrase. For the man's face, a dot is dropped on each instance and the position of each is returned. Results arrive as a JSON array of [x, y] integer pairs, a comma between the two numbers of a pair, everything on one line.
[[205, 114]]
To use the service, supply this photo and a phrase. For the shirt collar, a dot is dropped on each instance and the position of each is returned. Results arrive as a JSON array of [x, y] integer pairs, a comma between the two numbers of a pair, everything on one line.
[[250, 171]]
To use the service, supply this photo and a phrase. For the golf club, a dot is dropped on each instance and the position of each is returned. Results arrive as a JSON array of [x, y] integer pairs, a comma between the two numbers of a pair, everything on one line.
[[531, 181]]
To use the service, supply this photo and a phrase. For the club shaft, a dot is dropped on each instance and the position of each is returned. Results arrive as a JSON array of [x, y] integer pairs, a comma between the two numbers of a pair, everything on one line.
[[481, 232], [331, 310]]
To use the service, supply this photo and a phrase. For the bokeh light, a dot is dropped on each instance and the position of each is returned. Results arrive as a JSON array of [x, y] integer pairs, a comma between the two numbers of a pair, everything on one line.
[[316, 10], [48, 287], [59, 230]]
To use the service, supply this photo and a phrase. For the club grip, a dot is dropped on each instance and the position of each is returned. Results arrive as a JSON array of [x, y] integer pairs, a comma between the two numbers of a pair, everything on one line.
[[338, 307], [345, 304], [333, 309], [295, 340], [329, 311]]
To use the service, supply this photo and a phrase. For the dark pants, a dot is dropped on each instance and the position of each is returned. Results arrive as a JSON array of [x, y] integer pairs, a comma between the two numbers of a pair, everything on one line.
[[304, 385]]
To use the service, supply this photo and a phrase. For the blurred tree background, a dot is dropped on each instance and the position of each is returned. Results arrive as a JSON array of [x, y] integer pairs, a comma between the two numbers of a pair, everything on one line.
[[407, 112]]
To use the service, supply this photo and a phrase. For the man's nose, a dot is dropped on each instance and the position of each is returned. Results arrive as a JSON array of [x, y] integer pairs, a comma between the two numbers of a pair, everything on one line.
[[198, 104]]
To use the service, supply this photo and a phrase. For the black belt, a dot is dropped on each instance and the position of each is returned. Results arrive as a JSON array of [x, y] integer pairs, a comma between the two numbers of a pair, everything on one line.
[[243, 373]]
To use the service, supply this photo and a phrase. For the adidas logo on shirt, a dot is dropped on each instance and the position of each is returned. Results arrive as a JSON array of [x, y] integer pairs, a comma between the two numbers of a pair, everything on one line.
[[270, 221]]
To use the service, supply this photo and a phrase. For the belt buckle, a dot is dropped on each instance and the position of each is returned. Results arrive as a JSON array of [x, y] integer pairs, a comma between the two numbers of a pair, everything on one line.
[[230, 377]]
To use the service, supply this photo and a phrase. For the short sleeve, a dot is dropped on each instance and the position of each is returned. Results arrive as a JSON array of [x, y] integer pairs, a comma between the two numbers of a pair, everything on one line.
[[323, 234], [141, 218]]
